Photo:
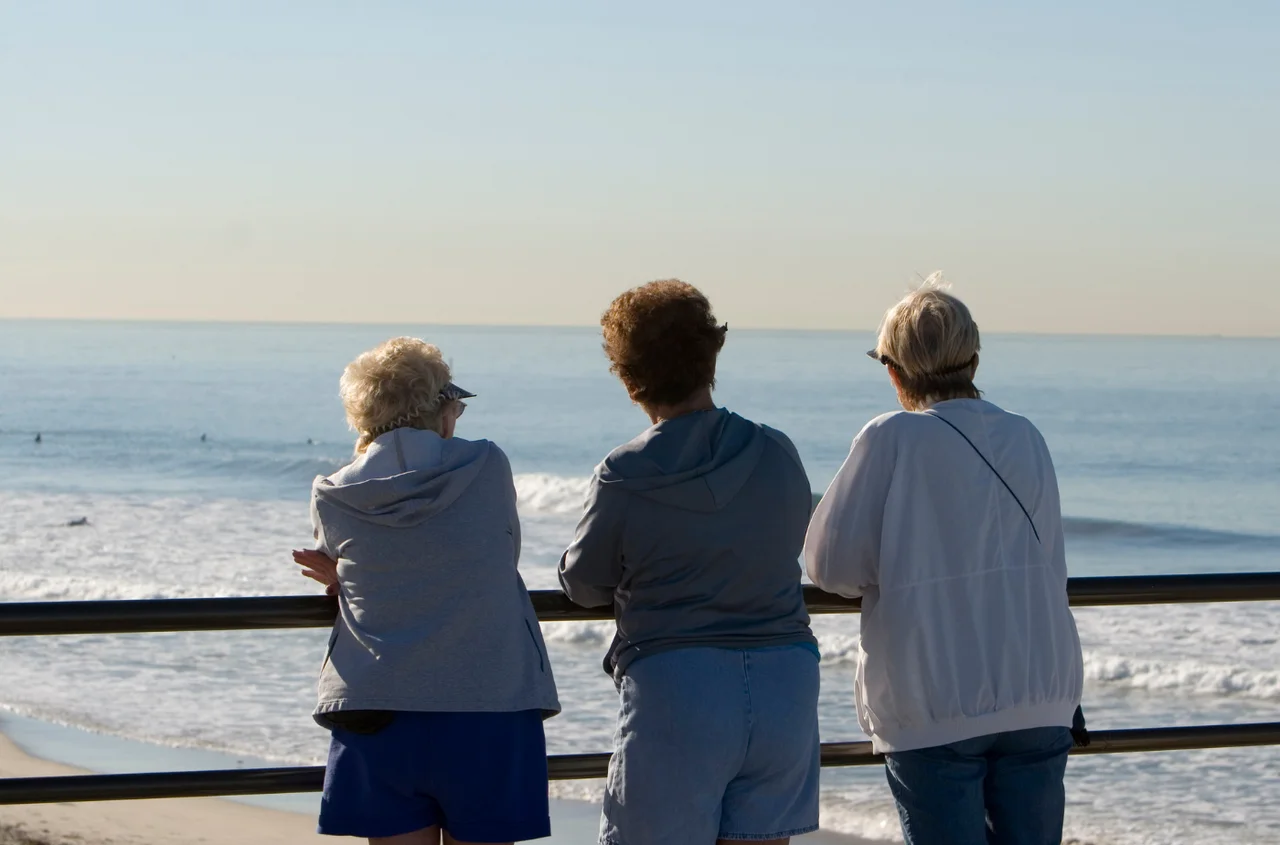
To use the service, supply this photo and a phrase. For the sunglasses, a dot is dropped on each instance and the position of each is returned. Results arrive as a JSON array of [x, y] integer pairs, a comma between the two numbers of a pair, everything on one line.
[[889, 362]]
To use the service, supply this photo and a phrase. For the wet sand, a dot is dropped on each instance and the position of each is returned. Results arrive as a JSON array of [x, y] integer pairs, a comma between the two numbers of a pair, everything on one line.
[[171, 821]]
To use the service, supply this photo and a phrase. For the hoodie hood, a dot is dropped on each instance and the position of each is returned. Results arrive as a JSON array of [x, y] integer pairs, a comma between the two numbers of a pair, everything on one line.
[[696, 462], [404, 478]]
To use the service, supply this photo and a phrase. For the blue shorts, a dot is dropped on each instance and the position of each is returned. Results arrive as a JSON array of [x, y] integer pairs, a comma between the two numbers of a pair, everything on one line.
[[480, 776], [713, 744]]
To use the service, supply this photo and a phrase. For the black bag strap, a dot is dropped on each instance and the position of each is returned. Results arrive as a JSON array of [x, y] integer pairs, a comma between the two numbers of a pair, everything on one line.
[[1079, 730], [1025, 512]]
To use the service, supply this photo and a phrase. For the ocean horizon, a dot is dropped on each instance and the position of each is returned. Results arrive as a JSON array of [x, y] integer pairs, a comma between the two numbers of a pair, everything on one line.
[[425, 326]]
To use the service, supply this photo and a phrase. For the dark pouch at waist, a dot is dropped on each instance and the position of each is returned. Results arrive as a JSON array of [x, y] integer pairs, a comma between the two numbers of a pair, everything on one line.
[[357, 721], [1079, 733]]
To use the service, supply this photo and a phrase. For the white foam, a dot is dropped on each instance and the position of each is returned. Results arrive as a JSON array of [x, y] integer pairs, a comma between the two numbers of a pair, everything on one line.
[[589, 634], [590, 790], [18, 586], [838, 649], [544, 493], [862, 811], [1185, 677]]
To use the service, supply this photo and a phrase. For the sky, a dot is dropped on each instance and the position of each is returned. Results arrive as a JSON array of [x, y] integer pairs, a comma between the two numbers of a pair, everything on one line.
[[1092, 166]]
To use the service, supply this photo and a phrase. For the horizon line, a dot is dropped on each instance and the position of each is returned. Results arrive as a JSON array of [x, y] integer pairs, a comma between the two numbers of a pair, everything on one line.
[[504, 325]]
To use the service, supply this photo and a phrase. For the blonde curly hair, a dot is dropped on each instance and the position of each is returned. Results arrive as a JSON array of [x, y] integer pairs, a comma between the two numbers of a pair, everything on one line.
[[396, 384]]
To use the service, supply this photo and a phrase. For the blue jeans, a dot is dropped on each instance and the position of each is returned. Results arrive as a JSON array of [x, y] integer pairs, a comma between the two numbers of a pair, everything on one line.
[[715, 743], [1003, 789]]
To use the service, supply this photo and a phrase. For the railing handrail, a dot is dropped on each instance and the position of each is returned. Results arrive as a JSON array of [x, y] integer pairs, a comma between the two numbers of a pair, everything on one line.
[[68, 788], [135, 616], [204, 614]]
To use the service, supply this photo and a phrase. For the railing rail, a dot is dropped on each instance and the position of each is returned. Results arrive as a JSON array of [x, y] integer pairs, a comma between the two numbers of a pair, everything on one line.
[[230, 614], [67, 788], [206, 614]]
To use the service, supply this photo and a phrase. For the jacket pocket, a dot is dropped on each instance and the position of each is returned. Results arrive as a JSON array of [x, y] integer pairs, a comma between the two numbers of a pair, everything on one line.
[[542, 661]]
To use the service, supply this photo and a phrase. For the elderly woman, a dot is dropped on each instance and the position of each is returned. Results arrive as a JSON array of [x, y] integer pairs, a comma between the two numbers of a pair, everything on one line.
[[692, 531], [436, 681], [945, 518]]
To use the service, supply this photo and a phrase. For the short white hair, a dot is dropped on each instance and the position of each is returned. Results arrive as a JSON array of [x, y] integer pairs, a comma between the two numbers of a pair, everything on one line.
[[931, 340]]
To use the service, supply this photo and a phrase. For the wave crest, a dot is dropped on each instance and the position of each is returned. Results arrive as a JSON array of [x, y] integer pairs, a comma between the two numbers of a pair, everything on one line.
[[1090, 528], [1184, 677], [545, 493]]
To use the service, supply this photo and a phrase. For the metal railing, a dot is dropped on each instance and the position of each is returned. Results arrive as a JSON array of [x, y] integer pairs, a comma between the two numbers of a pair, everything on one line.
[[149, 616], [237, 614]]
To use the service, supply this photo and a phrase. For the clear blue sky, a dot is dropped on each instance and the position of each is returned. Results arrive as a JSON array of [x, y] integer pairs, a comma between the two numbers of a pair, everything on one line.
[[1088, 166]]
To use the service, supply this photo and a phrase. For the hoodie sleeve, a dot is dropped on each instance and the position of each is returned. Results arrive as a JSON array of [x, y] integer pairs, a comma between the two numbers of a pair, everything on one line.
[[317, 529], [591, 568], [842, 548]]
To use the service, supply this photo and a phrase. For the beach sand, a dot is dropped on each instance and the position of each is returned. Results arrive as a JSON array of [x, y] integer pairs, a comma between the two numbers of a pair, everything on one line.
[[171, 821], [214, 821]]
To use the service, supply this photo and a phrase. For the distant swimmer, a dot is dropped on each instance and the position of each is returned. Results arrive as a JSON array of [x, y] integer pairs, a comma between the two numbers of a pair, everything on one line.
[[84, 520], [204, 438], [39, 437], [310, 442]]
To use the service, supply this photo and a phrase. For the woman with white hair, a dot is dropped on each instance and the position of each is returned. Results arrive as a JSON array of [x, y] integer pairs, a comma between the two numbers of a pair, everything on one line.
[[436, 681], [946, 520]]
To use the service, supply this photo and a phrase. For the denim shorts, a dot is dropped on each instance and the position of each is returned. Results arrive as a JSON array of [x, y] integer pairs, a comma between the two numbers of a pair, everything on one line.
[[715, 743], [480, 776]]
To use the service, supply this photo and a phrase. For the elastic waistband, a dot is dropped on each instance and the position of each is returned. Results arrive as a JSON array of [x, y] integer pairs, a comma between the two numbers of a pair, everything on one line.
[[1057, 714]]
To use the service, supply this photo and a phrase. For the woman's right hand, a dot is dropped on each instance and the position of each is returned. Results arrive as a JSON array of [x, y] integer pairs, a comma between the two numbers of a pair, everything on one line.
[[318, 566]]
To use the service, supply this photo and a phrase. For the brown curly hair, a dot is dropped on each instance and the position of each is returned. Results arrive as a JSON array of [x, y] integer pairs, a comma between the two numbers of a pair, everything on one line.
[[662, 341]]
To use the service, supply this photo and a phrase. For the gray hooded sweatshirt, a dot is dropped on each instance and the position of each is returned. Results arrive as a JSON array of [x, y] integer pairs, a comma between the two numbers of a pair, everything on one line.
[[433, 614], [693, 532]]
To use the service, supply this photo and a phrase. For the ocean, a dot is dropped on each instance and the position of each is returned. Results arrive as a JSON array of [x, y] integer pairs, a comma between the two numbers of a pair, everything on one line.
[[190, 449]]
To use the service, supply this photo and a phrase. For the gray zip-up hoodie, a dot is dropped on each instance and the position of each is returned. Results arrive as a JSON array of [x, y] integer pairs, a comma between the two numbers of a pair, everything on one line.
[[693, 532], [433, 614]]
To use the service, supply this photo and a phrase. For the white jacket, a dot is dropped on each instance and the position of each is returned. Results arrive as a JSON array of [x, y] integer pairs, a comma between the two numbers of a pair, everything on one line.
[[966, 630]]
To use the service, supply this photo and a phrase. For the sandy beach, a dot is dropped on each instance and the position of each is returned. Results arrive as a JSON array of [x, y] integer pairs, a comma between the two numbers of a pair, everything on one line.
[[177, 821], [212, 821]]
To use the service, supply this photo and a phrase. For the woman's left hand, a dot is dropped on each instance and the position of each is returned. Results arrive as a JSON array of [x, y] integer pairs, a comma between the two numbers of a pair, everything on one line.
[[318, 566]]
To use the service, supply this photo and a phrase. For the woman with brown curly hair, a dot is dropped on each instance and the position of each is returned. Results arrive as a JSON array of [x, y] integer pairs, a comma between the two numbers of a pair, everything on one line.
[[693, 532]]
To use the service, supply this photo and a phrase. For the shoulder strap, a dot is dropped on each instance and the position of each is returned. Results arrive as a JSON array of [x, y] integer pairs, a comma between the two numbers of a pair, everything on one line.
[[954, 428]]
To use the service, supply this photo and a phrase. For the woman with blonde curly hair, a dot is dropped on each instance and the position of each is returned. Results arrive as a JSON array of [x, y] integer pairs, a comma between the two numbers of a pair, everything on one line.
[[692, 531], [436, 681]]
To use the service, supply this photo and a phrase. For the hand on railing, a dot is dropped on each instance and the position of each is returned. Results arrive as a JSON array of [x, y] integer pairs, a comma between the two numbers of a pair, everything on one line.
[[318, 566]]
